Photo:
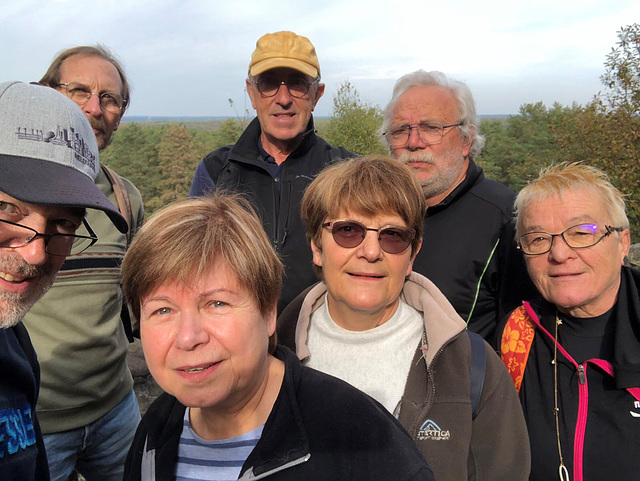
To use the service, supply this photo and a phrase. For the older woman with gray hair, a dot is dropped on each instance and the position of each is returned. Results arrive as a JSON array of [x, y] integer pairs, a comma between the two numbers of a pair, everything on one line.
[[204, 280], [574, 353], [391, 333]]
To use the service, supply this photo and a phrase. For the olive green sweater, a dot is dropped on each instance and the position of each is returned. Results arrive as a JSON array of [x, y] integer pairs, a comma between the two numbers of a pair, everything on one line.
[[76, 328]]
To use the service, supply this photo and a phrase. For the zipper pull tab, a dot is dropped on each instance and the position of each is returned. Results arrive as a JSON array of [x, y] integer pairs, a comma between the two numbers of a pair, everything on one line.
[[581, 376]]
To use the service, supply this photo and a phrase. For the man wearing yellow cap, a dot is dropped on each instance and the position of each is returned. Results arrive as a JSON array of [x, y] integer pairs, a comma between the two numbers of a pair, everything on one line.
[[278, 154]]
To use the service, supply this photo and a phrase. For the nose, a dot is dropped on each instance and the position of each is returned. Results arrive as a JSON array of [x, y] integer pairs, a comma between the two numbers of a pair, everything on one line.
[[191, 332], [560, 250], [34, 252], [283, 96], [415, 142], [92, 107], [370, 247]]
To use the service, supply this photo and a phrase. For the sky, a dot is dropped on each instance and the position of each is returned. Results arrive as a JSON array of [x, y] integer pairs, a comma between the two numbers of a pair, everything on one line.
[[190, 57]]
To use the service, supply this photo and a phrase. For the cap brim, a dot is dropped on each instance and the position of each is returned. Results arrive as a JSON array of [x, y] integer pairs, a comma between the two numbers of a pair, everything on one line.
[[280, 62], [46, 183]]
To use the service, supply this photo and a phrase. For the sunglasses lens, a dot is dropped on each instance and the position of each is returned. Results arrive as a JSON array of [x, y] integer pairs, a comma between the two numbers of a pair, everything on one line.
[[348, 234], [395, 240]]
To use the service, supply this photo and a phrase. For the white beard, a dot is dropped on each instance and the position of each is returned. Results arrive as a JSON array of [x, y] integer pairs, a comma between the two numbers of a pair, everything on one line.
[[14, 306]]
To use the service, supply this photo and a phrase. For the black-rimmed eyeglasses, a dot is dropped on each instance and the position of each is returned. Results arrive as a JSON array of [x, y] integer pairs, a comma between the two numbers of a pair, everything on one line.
[[81, 94], [13, 236], [578, 236], [298, 86], [350, 233], [429, 132]]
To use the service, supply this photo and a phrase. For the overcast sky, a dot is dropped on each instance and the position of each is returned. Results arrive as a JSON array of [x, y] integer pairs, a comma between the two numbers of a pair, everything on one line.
[[187, 57]]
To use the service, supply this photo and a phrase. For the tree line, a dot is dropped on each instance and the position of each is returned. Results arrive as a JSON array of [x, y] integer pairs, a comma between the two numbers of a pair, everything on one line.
[[160, 158]]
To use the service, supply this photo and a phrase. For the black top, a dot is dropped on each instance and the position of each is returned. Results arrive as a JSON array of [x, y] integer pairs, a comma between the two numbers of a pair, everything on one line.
[[320, 428], [22, 454], [469, 252]]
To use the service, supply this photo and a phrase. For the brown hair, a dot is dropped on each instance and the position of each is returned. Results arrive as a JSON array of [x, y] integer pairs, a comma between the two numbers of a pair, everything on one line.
[[369, 186], [185, 239], [52, 75]]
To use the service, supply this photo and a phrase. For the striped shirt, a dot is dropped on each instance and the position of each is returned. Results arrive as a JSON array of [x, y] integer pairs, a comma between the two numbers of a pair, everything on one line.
[[221, 460]]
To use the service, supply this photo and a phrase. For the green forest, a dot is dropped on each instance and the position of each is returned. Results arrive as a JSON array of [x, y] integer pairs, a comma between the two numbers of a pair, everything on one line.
[[161, 158]]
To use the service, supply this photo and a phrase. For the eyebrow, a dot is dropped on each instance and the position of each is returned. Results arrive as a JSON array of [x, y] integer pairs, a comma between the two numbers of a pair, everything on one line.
[[200, 296], [578, 220]]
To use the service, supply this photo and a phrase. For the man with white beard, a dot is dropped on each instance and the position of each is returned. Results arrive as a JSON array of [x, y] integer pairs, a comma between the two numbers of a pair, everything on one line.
[[468, 250], [48, 162]]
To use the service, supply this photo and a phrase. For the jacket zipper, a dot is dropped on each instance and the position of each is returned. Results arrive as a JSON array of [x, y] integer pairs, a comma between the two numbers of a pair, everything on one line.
[[583, 399], [581, 424]]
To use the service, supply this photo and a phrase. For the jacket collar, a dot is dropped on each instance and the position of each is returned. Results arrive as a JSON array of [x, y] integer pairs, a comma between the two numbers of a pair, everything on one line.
[[284, 441]]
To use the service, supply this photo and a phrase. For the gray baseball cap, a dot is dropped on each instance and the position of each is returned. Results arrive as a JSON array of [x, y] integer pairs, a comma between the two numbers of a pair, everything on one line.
[[48, 152]]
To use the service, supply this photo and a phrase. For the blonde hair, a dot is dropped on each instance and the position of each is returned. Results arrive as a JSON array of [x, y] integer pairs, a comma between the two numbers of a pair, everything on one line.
[[564, 177], [185, 240], [369, 186]]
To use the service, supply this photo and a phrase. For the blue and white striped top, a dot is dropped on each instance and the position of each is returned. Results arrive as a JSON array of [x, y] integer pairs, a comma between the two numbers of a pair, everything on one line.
[[202, 460]]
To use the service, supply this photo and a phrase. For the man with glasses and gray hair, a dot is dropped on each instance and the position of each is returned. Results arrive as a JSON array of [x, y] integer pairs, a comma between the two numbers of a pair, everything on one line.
[[468, 250], [48, 162], [279, 153], [87, 408]]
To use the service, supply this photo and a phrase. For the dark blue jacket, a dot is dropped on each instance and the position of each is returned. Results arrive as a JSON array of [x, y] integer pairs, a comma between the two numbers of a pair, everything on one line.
[[22, 453], [240, 168]]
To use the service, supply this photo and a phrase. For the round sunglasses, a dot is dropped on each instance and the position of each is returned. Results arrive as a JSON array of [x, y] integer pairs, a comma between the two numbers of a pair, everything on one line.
[[350, 233]]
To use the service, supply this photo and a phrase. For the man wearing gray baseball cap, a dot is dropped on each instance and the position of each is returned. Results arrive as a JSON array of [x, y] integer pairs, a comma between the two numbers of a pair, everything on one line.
[[48, 162]]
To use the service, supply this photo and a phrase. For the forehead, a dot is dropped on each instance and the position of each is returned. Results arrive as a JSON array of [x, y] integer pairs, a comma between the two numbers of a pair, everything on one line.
[[381, 218], [565, 209], [92, 71], [426, 102]]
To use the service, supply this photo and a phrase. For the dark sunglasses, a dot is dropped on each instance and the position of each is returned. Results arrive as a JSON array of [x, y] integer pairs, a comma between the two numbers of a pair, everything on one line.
[[349, 234]]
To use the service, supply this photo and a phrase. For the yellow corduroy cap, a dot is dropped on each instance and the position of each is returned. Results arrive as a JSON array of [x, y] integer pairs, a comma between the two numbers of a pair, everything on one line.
[[284, 49]]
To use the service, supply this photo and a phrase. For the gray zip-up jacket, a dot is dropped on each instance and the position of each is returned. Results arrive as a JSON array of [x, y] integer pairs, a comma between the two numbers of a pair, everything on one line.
[[436, 408]]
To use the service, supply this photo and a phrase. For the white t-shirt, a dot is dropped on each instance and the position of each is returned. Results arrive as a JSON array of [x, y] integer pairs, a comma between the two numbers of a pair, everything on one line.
[[376, 361]]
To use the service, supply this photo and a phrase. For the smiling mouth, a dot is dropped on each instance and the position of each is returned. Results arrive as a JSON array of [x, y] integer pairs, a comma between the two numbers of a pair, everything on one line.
[[9, 277], [194, 370]]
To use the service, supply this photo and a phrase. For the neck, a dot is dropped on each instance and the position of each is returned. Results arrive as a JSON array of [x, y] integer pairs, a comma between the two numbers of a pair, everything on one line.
[[240, 416], [279, 149], [360, 320]]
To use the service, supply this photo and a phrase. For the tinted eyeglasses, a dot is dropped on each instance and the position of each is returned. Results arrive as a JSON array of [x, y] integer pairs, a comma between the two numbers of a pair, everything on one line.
[[349, 234], [298, 86]]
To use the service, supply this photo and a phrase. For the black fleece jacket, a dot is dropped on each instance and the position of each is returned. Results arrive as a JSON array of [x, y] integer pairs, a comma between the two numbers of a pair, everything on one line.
[[320, 428]]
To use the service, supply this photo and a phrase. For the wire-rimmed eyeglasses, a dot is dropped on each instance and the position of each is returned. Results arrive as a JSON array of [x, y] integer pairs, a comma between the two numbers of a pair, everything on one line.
[[298, 86], [429, 132], [81, 94], [578, 236], [13, 236]]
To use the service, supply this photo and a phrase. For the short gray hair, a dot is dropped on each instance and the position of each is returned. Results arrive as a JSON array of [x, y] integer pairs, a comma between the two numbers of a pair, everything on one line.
[[464, 100]]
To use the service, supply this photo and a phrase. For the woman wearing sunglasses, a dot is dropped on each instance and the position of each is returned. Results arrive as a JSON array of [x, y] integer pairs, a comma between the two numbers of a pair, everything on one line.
[[390, 332]]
